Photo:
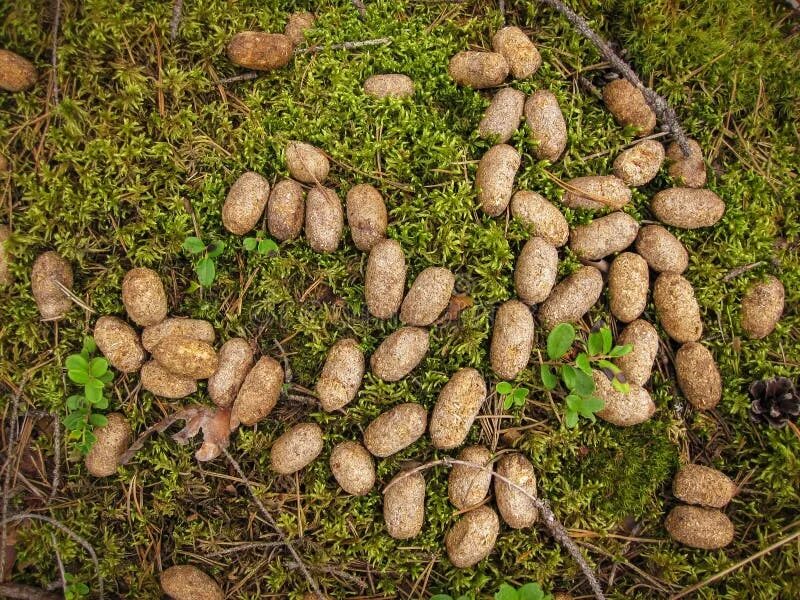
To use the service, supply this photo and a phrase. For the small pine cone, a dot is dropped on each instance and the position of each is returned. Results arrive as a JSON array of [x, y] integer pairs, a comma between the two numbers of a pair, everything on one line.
[[774, 401]]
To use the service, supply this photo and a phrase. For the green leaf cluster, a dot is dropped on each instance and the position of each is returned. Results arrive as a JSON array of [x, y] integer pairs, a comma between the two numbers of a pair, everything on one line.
[[529, 591], [204, 258], [93, 375], [512, 396], [75, 589], [576, 376], [260, 244]]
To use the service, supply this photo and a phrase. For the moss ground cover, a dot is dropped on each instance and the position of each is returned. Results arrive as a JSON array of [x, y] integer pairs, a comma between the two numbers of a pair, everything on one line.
[[140, 153]]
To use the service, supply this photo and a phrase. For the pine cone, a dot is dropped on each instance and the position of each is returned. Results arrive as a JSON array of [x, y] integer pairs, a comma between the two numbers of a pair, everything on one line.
[[775, 401]]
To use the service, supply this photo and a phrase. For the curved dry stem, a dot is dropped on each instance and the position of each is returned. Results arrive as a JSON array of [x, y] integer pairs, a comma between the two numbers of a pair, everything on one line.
[[82, 541], [557, 530], [659, 104]]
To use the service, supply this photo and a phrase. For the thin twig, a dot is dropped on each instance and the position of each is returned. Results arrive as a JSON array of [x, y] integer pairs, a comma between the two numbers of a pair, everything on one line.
[[56, 456], [244, 547], [557, 530], [734, 273], [160, 427], [12, 442], [343, 46], [59, 562], [242, 77], [69, 294], [82, 541], [54, 47], [359, 4], [738, 565], [660, 106], [287, 368], [177, 7], [266, 514], [332, 571], [578, 191], [18, 591], [588, 87]]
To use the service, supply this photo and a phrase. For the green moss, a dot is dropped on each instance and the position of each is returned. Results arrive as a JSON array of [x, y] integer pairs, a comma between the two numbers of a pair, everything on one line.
[[143, 130]]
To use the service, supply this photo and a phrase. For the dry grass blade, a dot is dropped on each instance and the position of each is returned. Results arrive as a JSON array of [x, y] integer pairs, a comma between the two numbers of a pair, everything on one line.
[[68, 293], [576, 190], [738, 565]]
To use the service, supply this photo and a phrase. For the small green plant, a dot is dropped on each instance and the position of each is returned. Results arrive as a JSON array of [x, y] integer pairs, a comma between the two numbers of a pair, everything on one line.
[[576, 376], [512, 396], [204, 255], [92, 374], [529, 591], [449, 597], [74, 589], [260, 244]]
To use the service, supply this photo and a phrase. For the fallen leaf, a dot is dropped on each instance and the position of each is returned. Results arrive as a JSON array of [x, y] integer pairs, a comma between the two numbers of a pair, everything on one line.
[[458, 302], [215, 427]]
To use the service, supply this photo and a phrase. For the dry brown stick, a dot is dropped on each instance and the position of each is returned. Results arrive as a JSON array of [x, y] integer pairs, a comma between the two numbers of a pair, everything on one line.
[[177, 7], [263, 510], [734, 273], [287, 368], [17, 591], [56, 456], [333, 571], [245, 547], [160, 427], [242, 77], [557, 530], [12, 441], [659, 104], [54, 47], [345, 45], [576, 190], [359, 4], [62, 573], [82, 541]]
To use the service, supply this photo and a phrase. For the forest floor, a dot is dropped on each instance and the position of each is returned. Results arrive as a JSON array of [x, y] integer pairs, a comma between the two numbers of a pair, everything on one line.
[[139, 153]]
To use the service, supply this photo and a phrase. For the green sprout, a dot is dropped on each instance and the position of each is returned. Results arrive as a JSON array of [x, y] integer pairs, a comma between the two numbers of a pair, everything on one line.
[[529, 591], [512, 396], [204, 254], [260, 244], [74, 589], [576, 376], [92, 374]]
